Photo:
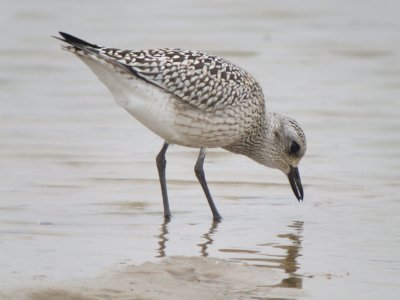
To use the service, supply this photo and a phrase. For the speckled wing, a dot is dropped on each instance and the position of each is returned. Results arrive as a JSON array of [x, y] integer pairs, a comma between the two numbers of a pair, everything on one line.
[[205, 81]]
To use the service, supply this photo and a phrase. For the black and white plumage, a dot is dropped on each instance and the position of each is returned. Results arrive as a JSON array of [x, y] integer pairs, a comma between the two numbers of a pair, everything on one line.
[[198, 100]]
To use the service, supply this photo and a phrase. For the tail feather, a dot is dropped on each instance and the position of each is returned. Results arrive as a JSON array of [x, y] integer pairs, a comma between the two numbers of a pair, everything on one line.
[[76, 42], [88, 52]]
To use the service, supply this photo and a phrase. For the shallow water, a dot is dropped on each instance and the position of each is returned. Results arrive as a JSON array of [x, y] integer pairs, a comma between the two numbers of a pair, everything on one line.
[[79, 192]]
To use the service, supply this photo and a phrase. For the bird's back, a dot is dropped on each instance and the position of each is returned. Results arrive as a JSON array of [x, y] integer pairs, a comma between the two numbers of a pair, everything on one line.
[[205, 81], [187, 97]]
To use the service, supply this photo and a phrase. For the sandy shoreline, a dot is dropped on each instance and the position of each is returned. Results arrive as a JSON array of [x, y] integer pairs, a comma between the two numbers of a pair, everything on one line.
[[176, 277]]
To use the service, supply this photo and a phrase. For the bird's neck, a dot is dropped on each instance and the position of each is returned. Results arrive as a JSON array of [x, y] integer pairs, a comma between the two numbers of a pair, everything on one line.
[[255, 139]]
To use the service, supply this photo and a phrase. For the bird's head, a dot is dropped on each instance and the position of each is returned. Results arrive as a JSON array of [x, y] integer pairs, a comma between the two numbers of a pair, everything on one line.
[[291, 145], [282, 147], [279, 143]]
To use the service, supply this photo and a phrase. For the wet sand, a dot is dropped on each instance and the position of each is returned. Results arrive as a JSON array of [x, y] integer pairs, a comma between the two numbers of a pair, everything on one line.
[[173, 278], [80, 206]]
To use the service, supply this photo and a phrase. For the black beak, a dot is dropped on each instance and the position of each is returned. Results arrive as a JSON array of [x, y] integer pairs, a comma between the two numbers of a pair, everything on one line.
[[295, 183]]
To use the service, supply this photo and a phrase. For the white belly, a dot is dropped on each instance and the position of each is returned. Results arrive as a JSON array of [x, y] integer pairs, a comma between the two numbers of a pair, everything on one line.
[[153, 107], [167, 116]]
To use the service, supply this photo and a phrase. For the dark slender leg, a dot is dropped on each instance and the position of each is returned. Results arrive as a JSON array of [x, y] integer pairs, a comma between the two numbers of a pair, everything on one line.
[[198, 169], [161, 163]]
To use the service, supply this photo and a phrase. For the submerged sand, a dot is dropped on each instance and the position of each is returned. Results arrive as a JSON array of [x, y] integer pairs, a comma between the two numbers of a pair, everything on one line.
[[173, 278]]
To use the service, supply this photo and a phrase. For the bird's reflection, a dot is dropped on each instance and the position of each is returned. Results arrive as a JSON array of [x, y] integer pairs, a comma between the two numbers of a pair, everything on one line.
[[162, 238], [289, 263], [208, 236]]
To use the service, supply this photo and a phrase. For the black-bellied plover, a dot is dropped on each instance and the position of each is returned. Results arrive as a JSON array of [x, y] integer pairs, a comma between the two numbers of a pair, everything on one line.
[[194, 99]]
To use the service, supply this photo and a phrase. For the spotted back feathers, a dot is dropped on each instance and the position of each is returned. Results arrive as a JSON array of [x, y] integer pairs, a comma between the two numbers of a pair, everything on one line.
[[205, 81]]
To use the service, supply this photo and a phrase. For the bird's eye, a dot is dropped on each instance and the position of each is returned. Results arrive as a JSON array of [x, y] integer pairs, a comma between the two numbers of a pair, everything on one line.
[[294, 148]]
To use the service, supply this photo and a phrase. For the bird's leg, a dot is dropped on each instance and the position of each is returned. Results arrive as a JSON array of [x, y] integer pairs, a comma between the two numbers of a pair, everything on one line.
[[161, 163], [198, 169]]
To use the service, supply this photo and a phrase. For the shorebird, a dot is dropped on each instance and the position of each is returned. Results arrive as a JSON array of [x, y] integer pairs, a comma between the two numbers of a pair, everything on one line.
[[194, 99]]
